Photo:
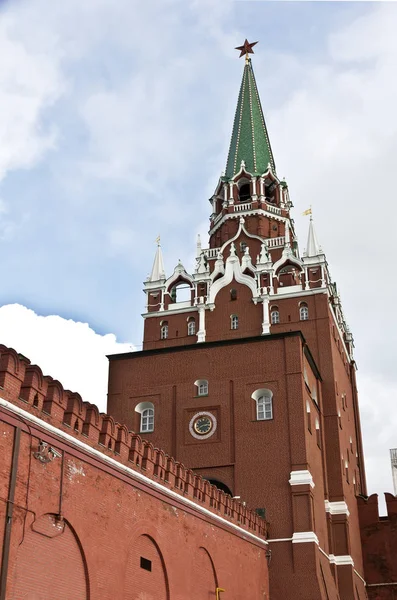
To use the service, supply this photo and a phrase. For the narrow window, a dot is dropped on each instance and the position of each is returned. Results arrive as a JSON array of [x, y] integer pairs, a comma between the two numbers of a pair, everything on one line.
[[234, 322], [264, 408], [146, 564], [147, 420], [164, 330], [191, 327], [308, 416], [36, 400], [275, 317], [202, 387], [318, 434], [303, 312]]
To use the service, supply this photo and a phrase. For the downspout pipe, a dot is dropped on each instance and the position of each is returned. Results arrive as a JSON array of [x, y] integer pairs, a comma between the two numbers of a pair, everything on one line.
[[9, 512]]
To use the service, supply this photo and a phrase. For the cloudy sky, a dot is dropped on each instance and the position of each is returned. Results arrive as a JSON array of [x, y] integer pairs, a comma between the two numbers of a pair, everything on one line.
[[115, 120]]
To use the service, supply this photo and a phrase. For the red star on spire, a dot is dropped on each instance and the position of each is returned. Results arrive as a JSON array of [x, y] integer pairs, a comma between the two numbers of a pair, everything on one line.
[[246, 48]]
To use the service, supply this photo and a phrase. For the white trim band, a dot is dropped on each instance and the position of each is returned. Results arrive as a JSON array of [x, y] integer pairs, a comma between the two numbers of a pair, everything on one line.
[[301, 478], [134, 474]]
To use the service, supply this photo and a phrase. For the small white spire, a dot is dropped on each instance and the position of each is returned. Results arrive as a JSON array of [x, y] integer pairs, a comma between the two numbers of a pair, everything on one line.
[[198, 245], [312, 247], [158, 271]]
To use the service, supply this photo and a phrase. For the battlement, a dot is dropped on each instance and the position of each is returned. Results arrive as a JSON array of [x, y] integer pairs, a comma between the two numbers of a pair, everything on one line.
[[25, 386], [369, 509]]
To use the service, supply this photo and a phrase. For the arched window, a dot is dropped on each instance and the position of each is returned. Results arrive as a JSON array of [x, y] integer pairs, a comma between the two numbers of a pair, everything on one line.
[[233, 322], [264, 404], [191, 326], [164, 330], [303, 312], [147, 420], [275, 317], [146, 411], [202, 387], [245, 192]]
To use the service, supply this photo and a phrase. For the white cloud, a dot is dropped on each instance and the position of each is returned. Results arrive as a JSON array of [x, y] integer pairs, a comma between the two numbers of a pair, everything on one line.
[[67, 350], [30, 81]]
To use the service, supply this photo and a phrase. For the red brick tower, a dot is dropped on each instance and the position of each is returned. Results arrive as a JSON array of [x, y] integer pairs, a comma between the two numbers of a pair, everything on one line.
[[250, 378]]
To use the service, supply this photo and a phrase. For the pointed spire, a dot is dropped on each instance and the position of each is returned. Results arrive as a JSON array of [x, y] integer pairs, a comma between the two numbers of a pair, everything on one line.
[[250, 140], [312, 247], [158, 271]]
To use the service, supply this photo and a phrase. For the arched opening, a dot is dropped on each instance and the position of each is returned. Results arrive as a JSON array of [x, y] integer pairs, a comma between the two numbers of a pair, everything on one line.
[[51, 548], [271, 191], [289, 275], [220, 486], [181, 292], [145, 574], [244, 190]]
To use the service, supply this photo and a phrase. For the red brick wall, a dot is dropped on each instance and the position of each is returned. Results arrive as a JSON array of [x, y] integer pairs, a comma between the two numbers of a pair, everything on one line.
[[111, 518], [253, 458], [379, 543]]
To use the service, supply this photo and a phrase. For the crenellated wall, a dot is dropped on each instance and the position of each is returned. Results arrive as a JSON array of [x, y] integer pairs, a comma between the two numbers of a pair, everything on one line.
[[80, 488], [379, 543]]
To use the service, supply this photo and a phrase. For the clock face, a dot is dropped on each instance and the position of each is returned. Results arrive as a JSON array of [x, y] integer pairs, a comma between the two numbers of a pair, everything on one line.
[[203, 425]]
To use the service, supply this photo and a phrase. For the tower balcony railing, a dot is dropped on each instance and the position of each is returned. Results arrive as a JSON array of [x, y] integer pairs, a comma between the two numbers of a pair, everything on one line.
[[275, 242], [278, 242], [242, 207], [211, 252], [273, 209]]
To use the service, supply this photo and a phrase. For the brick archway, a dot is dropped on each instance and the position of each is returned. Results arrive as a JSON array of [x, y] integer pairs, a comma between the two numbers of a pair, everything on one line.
[[146, 575], [50, 563], [204, 582]]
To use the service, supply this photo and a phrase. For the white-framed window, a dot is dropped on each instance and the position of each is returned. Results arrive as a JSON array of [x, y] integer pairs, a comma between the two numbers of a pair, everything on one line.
[[264, 404], [147, 420], [275, 317], [146, 411], [233, 322], [303, 312], [191, 327], [164, 330], [202, 387]]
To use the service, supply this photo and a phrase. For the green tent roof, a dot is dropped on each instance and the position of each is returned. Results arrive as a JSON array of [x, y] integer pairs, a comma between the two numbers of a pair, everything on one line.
[[250, 140]]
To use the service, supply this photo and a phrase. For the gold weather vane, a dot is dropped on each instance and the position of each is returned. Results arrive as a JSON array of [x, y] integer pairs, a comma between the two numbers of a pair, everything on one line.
[[158, 240], [246, 49]]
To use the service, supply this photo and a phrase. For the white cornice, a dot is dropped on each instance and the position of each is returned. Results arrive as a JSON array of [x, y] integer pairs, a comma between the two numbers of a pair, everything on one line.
[[164, 313], [337, 508], [301, 478], [130, 472], [341, 560], [302, 537], [299, 293]]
